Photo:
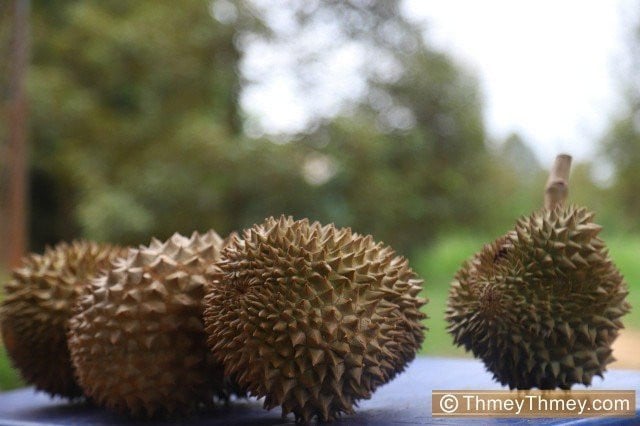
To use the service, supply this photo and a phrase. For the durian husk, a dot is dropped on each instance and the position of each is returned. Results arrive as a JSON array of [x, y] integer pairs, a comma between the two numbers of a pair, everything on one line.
[[137, 339], [542, 305], [312, 317], [37, 305]]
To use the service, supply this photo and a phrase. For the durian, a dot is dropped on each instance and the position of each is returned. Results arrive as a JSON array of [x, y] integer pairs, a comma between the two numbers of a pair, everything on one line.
[[37, 306], [541, 305], [137, 338], [312, 317]]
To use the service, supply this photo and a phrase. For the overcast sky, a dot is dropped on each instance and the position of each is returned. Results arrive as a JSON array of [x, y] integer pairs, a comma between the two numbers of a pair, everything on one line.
[[548, 69]]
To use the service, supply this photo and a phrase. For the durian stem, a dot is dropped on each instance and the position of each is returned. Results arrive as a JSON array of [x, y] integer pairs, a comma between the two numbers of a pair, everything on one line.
[[557, 188]]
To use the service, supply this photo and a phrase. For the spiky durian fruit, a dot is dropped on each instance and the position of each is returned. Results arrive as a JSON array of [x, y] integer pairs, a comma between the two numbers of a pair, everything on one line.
[[37, 306], [137, 339], [541, 306], [313, 317]]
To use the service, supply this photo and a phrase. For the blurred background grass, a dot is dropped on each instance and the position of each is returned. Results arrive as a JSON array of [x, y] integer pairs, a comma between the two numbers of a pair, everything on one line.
[[9, 377], [139, 126]]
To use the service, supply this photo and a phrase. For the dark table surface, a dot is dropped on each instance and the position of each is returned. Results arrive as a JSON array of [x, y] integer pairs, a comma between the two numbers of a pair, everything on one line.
[[406, 400]]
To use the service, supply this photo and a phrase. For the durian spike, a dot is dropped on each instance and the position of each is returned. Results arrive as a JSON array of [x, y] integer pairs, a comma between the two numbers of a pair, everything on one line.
[[556, 190]]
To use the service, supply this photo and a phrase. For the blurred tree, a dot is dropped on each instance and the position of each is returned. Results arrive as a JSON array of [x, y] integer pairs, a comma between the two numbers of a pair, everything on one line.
[[517, 154], [402, 154], [13, 132], [512, 185], [409, 170], [621, 144], [134, 117], [622, 147], [137, 126], [5, 52]]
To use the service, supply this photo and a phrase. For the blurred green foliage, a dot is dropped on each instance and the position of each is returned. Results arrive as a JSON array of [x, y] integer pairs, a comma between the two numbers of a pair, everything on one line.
[[137, 132], [621, 144], [134, 118]]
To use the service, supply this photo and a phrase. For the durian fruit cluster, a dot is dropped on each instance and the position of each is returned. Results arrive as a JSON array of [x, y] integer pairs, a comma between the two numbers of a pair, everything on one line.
[[137, 337], [542, 304], [37, 305], [313, 318]]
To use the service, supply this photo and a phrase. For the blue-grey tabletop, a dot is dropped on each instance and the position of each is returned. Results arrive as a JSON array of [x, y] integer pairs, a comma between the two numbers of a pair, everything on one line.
[[406, 400]]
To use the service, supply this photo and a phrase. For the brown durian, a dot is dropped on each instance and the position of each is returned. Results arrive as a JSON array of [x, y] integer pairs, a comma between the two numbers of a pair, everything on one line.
[[137, 339], [541, 305], [312, 317], [37, 305]]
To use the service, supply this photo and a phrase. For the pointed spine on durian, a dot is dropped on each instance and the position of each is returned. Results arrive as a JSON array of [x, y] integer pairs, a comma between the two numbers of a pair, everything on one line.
[[312, 317]]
